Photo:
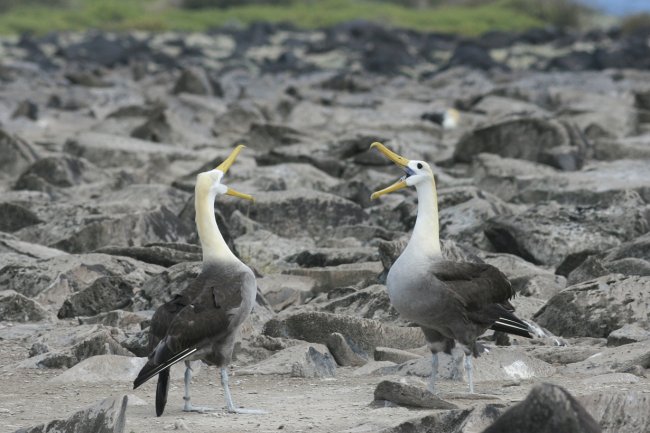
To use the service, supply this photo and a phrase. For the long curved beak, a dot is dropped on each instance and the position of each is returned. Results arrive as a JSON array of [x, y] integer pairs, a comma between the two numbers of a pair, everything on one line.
[[224, 166], [398, 160], [238, 194]]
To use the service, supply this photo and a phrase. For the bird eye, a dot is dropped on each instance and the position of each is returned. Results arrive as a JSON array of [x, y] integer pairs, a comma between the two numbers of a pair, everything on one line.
[[419, 165]]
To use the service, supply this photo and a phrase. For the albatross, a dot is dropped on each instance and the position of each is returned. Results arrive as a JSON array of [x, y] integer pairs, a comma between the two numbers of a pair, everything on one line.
[[202, 322], [453, 302]]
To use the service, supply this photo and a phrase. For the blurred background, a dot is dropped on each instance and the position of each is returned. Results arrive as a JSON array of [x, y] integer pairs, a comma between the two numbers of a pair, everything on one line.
[[465, 17]]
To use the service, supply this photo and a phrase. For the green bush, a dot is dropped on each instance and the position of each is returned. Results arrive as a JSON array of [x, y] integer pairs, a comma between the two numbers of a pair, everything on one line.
[[223, 4], [6, 5], [562, 14], [636, 24]]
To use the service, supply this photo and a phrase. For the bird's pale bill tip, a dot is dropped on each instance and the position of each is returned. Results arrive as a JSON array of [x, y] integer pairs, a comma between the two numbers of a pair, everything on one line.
[[400, 184], [238, 194], [228, 162]]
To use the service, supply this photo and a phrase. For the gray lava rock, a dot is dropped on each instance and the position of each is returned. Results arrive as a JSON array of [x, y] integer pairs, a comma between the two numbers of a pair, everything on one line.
[[363, 335], [52, 172], [532, 139], [596, 308], [17, 154], [454, 421], [103, 295], [317, 212], [526, 278], [320, 257], [18, 308], [107, 416], [156, 128], [162, 254], [630, 333], [332, 277], [409, 395], [303, 360], [14, 217], [619, 412], [547, 233], [630, 358], [266, 136], [161, 287], [547, 409], [370, 303], [394, 355], [343, 353], [195, 81], [119, 319]]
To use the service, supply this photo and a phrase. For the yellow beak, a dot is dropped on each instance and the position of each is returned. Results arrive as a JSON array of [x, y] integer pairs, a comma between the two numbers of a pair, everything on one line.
[[397, 159], [224, 166], [238, 194]]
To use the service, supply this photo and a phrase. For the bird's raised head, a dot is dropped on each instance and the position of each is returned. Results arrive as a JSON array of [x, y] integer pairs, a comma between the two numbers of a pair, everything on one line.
[[415, 171], [210, 181]]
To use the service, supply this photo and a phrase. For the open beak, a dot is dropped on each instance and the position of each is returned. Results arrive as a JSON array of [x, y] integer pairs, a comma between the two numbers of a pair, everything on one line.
[[238, 194], [398, 160], [224, 166]]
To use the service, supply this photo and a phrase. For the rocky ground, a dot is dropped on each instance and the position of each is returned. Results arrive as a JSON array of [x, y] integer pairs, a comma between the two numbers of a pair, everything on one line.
[[547, 176]]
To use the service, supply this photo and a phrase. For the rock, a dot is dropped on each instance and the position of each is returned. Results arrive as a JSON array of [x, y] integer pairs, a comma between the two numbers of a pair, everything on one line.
[[500, 363], [282, 291], [119, 319], [465, 420], [532, 139], [332, 277], [320, 257], [472, 55], [372, 368], [394, 355], [14, 217], [629, 358], [409, 395], [370, 303], [23, 251], [53, 279], [266, 136], [107, 416], [162, 254], [26, 109], [17, 154], [194, 81], [104, 294], [547, 409], [526, 278], [547, 233], [162, 287], [18, 308], [564, 355], [619, 412], [304, 360], [623, 148], [102, 369], [102, 342], [342, 352], [630, 333], [156, 128], [53, 172], [317, 211], [596, 308], [363, 335]]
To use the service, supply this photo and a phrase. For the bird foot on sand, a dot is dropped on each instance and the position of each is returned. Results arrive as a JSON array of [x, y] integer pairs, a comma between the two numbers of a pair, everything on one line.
[[199, 409], [244, 410]]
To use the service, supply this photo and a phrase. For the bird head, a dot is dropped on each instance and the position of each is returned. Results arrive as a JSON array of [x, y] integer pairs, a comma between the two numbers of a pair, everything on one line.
[[212, 179], [415, 171]]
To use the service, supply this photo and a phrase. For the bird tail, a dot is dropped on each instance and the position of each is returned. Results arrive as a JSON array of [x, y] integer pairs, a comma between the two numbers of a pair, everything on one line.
[[161, 391], [167, 359], [511, 324]]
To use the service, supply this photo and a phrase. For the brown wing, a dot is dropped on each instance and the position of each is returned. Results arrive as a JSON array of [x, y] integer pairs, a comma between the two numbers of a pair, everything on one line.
[[477, 285]]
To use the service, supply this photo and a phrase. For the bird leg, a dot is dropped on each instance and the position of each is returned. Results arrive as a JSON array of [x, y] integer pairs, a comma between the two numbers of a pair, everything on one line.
[[434, 373], [456, 361], [188, 404], [470, 373], [230, 406]]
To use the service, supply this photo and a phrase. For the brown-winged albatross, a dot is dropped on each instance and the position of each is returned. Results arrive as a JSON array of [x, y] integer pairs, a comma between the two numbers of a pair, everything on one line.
[[451, 301], [202, 321]]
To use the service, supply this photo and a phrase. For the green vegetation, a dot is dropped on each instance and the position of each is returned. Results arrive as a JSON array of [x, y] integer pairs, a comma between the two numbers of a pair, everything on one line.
[[469, 17]]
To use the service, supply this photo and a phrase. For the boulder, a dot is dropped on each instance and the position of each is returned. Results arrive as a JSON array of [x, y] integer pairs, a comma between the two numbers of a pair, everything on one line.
[[527, 279], [119, 319], [463, 420], [282, 291], [160, 288], [528, 138], [102, 295], [303, 360], [266, 136], [17, 154], [53, 172], [162, 254], [343, 353], [370, 303], [547, 233], [597, 307], [103, 369], [619, 412], [53, 279], [394, 355], [318, 212], [631, 358], [14, 217], [630, 333], [107, 416], [321, 257], [363, 335], [156, 128], [332, 277], [547, 409], [409, 395], [629, 148], [194, 81], [15, 307]]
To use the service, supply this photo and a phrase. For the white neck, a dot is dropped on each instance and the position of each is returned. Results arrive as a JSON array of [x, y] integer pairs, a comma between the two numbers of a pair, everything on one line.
[[425, 239], [212, 243]]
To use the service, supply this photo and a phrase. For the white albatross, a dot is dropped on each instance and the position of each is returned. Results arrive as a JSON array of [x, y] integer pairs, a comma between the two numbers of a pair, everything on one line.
[[453, 302], [202, 321]]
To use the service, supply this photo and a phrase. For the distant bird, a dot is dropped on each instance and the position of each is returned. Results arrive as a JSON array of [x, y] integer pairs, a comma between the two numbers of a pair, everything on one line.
[[453, 302], [202, 322], [448, 119]]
